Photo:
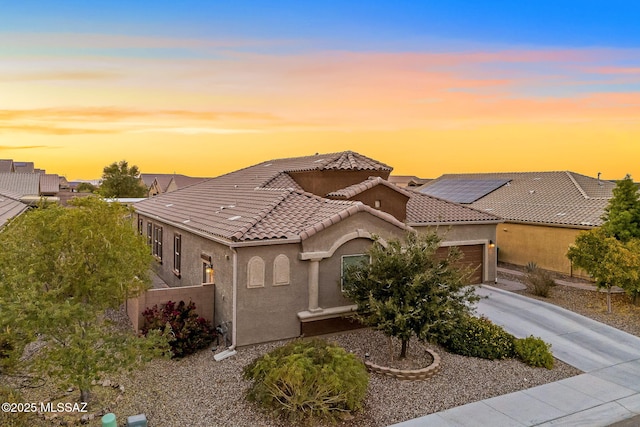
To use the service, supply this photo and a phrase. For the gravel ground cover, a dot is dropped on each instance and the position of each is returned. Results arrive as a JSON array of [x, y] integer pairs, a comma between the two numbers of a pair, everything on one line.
[[198, 391]]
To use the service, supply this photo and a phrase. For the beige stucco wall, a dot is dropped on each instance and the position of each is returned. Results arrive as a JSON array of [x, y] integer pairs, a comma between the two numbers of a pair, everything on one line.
[[191, 266], [201, 295], [269, 313], [546, 246]]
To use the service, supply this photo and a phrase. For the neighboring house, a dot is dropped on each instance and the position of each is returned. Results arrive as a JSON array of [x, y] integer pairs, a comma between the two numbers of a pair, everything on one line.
[[275, 237], [6, 165], [30, 187], [166, 183], [23, 167], [407, 181], [543, 211], [10, 206]]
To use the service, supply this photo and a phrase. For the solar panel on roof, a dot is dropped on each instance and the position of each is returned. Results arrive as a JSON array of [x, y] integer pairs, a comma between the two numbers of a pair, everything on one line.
[[463, 190]]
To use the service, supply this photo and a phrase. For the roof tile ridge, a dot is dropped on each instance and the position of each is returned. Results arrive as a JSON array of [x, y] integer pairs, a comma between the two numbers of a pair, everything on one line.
[[455, 204], [346, 213], [575, 183], [262, 214]]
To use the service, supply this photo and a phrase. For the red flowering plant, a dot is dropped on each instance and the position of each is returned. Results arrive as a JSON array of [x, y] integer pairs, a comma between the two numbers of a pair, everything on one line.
[[186, 331]]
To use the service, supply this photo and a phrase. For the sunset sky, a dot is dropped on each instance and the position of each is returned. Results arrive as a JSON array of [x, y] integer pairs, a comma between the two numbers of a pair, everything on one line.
[[429, 87]]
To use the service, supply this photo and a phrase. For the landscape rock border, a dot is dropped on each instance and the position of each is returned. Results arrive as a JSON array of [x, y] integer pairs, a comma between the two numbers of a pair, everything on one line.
[[408, 374]]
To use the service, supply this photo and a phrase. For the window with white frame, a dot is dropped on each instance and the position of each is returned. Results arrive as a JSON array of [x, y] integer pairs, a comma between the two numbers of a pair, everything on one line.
[[157, 242]]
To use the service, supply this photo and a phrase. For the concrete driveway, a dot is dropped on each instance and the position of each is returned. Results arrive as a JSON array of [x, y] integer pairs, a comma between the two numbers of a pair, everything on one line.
[[608, 391]]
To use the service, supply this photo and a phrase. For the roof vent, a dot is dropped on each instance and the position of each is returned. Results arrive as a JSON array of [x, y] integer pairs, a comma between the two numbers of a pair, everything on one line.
[[532, 191], [233, 218], [186, 221], [537, 179], [268, 164], [561, 214], [169, 205]]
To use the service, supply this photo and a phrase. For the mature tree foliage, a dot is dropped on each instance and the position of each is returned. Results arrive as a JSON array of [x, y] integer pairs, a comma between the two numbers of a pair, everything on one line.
[[407, 290], [120, 180], [622, 216], [611, 254], [609, 261], [61, 269], [86, 187]]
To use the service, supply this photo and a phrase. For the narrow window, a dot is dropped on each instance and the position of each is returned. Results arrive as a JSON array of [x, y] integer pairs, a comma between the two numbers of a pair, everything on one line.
[[352, 260], [255, 273], [157, 242], [140, 225], [177, 253], [149, 234]]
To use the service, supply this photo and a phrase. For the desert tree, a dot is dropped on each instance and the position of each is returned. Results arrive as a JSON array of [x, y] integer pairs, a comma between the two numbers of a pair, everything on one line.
[[61, 271], [407, 290]]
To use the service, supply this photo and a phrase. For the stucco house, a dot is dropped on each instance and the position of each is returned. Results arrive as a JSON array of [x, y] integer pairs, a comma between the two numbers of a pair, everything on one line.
[[543, 211], [166, 183], [274, 238]]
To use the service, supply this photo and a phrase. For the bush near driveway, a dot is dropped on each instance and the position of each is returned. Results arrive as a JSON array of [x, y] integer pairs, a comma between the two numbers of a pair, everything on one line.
[[479, 337]]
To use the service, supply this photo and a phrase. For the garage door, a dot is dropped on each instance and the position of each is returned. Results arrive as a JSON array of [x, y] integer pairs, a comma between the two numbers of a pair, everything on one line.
[[473, 258]]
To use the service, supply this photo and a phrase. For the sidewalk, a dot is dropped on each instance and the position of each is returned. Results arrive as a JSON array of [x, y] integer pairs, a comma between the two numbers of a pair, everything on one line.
[[608, 391]]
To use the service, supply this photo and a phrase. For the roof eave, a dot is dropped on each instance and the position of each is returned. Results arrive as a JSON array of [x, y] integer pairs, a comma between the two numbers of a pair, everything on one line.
[[477, 222]]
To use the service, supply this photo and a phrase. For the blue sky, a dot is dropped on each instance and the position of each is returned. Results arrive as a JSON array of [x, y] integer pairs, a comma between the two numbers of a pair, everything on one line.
[[245, 80]]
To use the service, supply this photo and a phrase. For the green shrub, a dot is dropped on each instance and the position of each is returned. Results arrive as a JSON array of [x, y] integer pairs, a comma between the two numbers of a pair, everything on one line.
[[186, 331], [308, 379], [15, 418], [479, 337], [538, 281], [534, 352]]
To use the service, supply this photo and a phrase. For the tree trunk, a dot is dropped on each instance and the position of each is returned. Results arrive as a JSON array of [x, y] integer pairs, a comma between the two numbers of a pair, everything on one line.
[[609, 300], [403, 351], [84, 395]]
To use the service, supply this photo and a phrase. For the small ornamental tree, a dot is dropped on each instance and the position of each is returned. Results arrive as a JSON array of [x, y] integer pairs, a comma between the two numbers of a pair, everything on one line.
[[61, 270], [609, 261], [408, 291], [611, 254]]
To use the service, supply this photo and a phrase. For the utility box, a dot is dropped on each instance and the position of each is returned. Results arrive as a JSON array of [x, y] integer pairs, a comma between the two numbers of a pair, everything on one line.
[[139, 420]]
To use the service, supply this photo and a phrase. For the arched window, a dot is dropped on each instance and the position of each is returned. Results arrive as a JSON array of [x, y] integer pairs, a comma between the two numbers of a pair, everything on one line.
[[281, 273], [255, 273]]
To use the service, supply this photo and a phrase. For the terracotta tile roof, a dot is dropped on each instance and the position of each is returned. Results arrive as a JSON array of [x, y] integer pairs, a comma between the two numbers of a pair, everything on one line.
[[49, 183], [282, 180], [261, 201], [563, 198], [9, 207], [25, 184], [6, 165], [352, 190], [184, 181], [424, 209]]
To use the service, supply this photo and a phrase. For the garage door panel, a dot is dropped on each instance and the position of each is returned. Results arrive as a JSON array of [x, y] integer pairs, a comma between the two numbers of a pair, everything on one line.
[[473, 257]]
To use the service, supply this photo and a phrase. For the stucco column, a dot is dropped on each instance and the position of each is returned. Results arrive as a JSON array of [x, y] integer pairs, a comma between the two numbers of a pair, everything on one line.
[[314, 274]]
